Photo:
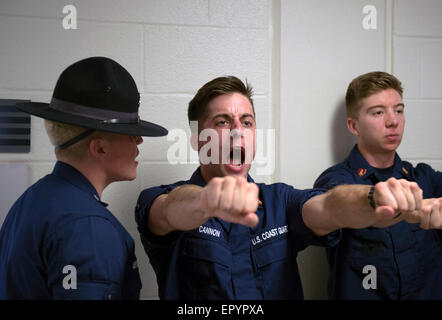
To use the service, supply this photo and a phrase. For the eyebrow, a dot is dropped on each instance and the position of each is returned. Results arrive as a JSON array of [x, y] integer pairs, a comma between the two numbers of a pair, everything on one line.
[[226, 115]]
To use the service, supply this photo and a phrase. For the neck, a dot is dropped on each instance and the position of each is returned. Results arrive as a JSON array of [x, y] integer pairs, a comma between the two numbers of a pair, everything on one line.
[[205, 173], [378, 159], [91, 171]]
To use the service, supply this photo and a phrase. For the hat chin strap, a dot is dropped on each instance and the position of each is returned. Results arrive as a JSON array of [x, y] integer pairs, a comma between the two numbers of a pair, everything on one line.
[[70, 142]]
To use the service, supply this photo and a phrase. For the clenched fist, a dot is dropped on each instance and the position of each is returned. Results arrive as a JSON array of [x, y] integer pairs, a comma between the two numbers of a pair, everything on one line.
[[231, 199], [393, 197], [429, 217]]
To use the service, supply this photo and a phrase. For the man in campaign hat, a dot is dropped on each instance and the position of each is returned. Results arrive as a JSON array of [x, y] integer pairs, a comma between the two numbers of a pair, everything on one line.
[[58, 240]]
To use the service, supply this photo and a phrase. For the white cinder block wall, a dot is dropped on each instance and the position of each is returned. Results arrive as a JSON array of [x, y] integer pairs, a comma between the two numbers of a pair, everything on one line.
[[417, 48], [171, 47], [298, 54]]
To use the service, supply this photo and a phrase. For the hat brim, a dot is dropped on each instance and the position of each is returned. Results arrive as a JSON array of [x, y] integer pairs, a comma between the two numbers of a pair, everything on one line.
[[142, 128]]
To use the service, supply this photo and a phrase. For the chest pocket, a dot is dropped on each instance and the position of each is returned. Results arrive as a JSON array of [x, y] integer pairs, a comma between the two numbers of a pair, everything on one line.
[[205, 269], [369, 243], [277, 268], [272, 252]]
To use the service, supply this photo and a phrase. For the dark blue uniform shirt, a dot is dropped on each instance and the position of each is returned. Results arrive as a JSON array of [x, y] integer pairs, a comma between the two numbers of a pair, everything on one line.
[[408, 259], [60, 221], [220, 260]]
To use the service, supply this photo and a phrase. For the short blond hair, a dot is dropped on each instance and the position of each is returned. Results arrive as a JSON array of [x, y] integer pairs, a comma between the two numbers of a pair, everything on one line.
[[59, 133]]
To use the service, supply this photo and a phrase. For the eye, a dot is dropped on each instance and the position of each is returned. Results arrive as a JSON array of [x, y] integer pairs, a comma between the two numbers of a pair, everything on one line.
[[247, 123], [377, 112], [222, 123]]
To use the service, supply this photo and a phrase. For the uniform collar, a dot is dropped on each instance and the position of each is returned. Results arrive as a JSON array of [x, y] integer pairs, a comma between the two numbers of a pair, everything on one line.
[[364, 170], [74, 177]]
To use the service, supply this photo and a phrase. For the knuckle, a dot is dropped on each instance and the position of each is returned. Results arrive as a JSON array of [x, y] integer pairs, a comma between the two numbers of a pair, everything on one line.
[[215, 182], [414, 186], [393, 183], [391, 180], [241, 179], [380, 186]]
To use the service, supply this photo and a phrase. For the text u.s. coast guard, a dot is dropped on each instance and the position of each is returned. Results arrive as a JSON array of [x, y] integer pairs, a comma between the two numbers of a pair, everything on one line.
[[268, 234]]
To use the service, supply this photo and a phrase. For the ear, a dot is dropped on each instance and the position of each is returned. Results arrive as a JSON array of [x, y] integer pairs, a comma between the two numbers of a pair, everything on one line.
[[353, 126], [194, 138], [98, 147]]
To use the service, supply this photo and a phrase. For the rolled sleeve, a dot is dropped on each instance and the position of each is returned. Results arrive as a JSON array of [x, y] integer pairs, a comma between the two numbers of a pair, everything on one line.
[[303, 235], [144, 203], [332, 178], [150, 241]]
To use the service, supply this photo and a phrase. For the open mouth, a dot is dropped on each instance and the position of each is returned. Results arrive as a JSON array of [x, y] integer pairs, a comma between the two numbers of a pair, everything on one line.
[[237, 157]]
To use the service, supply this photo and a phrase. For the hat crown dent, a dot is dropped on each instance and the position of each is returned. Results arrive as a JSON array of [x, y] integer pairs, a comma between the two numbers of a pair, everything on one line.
[[98, 82]]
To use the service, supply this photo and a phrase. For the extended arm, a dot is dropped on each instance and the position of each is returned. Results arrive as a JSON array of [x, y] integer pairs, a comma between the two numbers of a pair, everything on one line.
[[347, 206], [232, 199]]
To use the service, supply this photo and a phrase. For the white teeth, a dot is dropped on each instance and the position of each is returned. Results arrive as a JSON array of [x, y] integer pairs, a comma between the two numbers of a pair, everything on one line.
[[236, 157]]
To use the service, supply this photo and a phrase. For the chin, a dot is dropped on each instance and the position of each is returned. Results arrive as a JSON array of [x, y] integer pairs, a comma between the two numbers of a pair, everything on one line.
[[391, 147], [241, 173], [130, 176]]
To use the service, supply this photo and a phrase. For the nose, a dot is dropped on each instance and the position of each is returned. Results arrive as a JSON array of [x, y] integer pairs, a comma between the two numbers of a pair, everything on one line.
[[237, 129], [236, 132], [237, 126], [138, 140], [391, 120]]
